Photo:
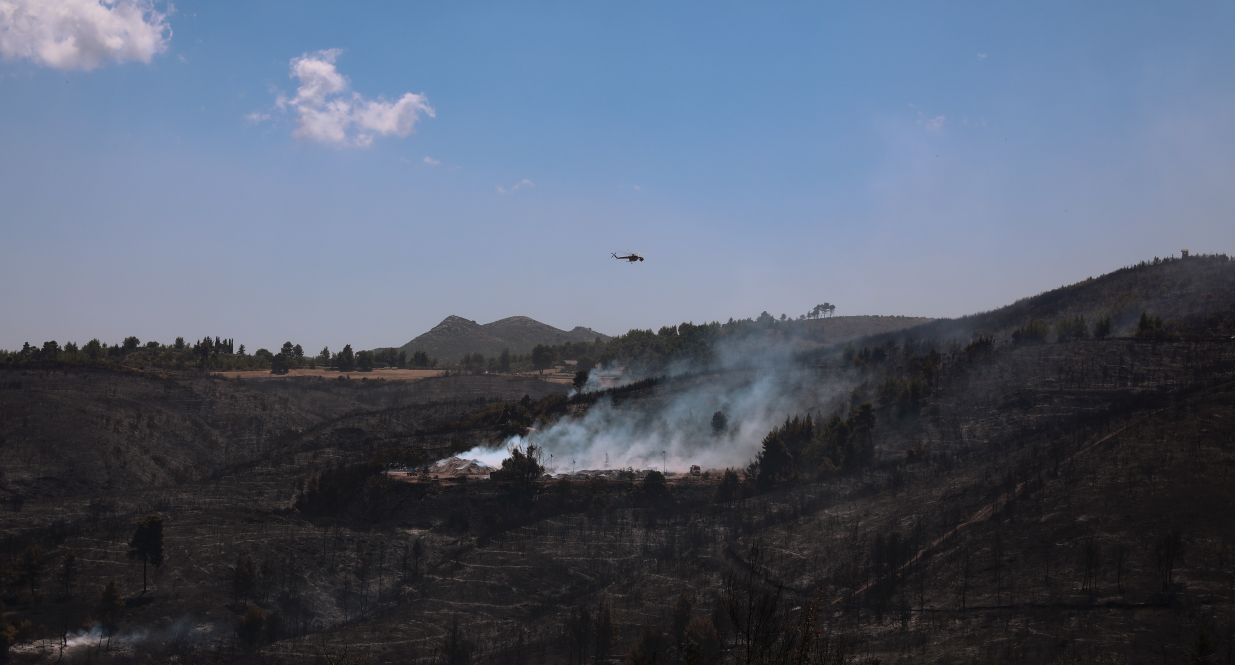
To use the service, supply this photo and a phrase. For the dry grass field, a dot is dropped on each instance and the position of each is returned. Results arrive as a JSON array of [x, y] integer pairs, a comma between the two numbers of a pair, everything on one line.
[[563, 375], [383, 374]]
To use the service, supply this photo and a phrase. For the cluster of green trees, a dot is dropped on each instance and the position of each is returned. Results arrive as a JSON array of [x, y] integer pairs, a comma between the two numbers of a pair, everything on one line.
[[523, 465], [658, 349], [1159, 260], [1076, 327], [209, 353], [1066, 329], [512, 418], [390, 357], [214, 353], [687, 341], [800, 448], [520, 472], [291, 356], [804, 448], [819, 311], [1151, 327], [647, 348], [351, 492], [910, 370], [912, 366], [542, 357]]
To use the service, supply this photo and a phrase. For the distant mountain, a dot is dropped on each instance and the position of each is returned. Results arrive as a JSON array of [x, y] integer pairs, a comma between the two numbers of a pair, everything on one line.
[[455, 336]]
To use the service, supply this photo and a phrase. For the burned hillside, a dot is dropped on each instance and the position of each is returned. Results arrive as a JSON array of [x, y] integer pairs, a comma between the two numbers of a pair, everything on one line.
[[1026, 485]]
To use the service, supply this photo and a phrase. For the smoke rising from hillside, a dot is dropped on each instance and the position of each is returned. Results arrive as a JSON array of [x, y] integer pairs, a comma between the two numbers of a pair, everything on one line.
[[754, 386], [95, 636]]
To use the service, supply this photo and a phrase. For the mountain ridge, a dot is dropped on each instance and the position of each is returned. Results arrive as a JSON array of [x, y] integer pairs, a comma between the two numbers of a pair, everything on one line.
[[1196, 290], [456, 336]]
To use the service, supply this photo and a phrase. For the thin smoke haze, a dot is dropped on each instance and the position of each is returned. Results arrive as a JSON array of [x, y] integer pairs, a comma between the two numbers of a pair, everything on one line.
[[755, 386]]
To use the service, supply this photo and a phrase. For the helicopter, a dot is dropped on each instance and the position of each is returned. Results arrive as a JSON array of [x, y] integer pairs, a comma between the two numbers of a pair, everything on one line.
[[629, 258]]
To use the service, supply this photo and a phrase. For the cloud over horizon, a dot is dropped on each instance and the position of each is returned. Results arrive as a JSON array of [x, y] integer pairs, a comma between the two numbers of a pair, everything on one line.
[[522, 184], [82, 34], [329, 112]]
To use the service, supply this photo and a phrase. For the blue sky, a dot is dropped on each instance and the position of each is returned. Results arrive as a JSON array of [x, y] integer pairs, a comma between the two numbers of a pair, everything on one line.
[[915, 158]]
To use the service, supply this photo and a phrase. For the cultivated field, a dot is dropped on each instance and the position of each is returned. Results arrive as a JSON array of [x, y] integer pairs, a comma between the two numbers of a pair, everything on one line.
[[383, 374]]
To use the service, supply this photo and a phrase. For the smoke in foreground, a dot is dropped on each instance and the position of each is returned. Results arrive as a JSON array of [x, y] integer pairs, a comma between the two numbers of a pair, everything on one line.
[[122, 642], [754, 387]]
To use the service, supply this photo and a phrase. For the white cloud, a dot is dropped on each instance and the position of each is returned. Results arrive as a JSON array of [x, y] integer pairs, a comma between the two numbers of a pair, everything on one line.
[[257, 117], [522, 184], [82, 34], [431, 162], [327, 111], [932, 123], [982, 56]]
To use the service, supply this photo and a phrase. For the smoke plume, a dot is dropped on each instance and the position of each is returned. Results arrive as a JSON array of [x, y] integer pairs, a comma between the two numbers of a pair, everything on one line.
[[754, 386]]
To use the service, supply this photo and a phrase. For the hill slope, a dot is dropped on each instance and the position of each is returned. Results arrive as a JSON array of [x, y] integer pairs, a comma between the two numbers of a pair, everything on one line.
[[72, 430], [455, 336], [1048, 502], [1196, 293]]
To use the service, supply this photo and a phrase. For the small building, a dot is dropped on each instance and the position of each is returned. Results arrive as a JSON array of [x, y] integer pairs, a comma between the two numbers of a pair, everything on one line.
[[695, 470]]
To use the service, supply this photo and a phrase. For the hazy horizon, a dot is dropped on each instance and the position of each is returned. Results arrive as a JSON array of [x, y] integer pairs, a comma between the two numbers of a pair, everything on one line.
[[346, 176]]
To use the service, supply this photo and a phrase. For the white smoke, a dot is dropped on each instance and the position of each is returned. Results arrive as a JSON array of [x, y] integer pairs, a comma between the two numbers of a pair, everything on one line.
[[754, 386], [95, 637], [490, 456]]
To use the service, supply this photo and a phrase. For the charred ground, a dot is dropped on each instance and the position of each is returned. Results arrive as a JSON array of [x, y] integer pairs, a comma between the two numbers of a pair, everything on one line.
[[993, 489]]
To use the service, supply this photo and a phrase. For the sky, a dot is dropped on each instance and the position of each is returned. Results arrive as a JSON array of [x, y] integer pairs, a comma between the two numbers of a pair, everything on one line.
[[355, 172]]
